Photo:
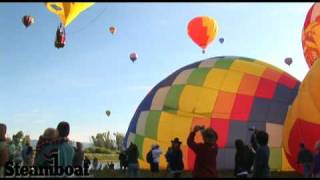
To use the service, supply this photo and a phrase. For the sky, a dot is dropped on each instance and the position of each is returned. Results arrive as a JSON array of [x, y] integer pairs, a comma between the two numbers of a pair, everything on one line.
[[41, 85]]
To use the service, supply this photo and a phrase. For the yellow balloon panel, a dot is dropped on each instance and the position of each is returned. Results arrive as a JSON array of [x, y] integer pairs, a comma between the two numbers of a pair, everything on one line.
[[67, 11]]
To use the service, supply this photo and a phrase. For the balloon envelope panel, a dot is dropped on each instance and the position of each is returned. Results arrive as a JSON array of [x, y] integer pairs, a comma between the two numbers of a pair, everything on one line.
[[229, 94]]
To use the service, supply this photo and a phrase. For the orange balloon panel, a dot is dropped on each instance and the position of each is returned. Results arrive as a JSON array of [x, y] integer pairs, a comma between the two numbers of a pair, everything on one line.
[[202, 30]]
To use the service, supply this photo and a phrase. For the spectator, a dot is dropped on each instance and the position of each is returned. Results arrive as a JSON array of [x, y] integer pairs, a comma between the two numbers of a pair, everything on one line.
[[65, 149], [316, 163], [17, 156], [168, 157], [175, 158], [27, 152], [261, 164], [78, 156], [123, 160], [156, 152], [111, 166], [4, 152], [86, 162], [44, 144], [305, 158], [241, 169], [206, 153], [133, 164]]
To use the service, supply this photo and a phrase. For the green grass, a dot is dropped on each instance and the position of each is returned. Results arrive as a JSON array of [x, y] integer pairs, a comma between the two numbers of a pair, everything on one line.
[[164, 174], [103, 157]]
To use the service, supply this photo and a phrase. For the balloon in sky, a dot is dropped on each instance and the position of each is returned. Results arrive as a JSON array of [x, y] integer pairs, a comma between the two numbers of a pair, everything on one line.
[[302, 124], [230, 94], [202, 30], [112, 30], [27, 20], [221, 40], [311, 35], [108, 112], [133, 56], [288, 61], [67, 11]]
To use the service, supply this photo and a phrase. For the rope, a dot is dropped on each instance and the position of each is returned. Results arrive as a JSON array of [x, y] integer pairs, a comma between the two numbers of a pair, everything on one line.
[[90, 22]]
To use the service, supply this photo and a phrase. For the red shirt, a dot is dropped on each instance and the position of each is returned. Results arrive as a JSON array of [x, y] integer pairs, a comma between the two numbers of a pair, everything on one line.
[[206, 155]]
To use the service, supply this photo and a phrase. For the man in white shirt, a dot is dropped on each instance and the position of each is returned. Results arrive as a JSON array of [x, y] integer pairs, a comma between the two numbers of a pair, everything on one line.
[[156, 152]]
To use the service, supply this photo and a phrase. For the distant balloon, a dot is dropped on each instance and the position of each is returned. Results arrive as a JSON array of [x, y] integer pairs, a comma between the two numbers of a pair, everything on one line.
[[288, 61], [112, 30], [27, 20], [202, 30], [108, 113], [221, 40], [133, 57]]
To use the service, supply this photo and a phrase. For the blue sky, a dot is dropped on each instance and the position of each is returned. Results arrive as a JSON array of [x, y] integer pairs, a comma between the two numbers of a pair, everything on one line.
[[42, 85]]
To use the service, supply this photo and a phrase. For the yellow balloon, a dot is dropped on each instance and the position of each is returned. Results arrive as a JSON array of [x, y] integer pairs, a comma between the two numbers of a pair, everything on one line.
[[67, 11]]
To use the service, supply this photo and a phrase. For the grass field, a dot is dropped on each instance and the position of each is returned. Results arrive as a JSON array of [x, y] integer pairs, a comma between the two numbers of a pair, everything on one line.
[[164, 174]]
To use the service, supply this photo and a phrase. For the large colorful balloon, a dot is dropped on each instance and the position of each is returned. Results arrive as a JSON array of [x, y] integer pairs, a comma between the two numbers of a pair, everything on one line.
[[67, 11], [133, 57], [302, 124], [311, 35], [202, 30], [229, 94], [27, 20]]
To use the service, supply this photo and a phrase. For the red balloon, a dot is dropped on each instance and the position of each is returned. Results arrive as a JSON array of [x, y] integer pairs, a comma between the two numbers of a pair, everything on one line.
[[133, 57], [27, 20]]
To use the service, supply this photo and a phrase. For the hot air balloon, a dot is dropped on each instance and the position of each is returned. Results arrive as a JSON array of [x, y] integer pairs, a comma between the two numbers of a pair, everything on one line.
[[108, 112], [288, 61], [302, 124], [202, 30], [67, 11], [112, 30], [229, 94], [27, 21], [133, 57], [221, 40], [311, 35]]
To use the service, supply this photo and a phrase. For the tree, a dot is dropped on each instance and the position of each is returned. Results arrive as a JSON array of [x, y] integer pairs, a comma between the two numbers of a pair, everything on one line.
[[119, 140]]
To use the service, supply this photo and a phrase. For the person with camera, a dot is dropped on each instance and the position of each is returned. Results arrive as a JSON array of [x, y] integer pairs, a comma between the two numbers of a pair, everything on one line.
[[206, 152]]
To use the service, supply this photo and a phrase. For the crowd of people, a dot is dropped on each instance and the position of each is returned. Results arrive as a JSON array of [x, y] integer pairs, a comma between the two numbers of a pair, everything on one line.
[[52, 141], [251, 160]]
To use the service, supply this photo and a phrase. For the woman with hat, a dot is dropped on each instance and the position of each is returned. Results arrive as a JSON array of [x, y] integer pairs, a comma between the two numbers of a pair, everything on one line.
[[175, 158], [206, 153]]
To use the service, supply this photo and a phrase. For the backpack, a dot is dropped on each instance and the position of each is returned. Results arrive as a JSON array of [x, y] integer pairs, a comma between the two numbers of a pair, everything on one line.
[[149, 157]]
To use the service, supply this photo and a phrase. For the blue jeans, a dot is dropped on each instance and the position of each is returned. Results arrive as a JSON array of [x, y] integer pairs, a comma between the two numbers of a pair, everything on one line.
[[133, 169]]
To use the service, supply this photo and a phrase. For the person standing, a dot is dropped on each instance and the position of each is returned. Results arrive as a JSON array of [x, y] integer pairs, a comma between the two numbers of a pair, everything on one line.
[[133, 164], [156, 152], [27, 153], [316, 163], [78, 156], [175, 158], [261, 164], [241, 169], [305, 158], [4, 152], [206, 153]]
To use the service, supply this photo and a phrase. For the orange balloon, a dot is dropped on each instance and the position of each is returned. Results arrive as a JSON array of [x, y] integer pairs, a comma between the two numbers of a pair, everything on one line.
[[311, 35], [202, 30]]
